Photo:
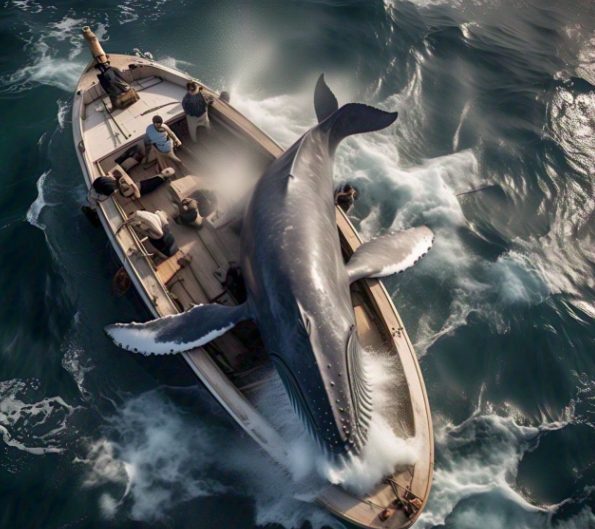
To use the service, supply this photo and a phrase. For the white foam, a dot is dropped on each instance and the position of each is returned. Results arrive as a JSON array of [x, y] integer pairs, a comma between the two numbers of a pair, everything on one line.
[[63, 109], [34, 426], [480, 457], [75, 361], [45, 69], [155, 456], [28, 5], [34, 212]]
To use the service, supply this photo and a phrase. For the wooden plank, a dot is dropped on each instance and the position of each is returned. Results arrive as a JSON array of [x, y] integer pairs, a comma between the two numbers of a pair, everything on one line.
[[170, 267]]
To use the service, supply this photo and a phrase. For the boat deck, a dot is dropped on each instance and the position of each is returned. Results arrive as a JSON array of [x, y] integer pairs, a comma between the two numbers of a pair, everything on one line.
[[103, 135]]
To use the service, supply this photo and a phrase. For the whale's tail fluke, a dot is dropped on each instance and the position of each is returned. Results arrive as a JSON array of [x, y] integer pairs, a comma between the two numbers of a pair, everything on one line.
[[353, 118], [325, 102], [180, 332]]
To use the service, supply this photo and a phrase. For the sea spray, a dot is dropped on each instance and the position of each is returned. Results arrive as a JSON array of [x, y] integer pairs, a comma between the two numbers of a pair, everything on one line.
[[154, 458]]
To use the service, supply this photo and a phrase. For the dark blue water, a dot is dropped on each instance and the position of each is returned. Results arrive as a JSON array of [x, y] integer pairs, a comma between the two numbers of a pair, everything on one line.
[[497, 96]]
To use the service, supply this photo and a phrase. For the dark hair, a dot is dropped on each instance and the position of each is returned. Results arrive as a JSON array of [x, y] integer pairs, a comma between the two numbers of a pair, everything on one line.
[[117, 174], [192, 85], [157, 120], [348, 188]]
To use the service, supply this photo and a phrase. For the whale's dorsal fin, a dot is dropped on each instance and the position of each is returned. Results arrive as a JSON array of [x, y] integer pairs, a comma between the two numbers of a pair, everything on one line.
[[355, 118], [179, 332], [325, 102], [389, 254]]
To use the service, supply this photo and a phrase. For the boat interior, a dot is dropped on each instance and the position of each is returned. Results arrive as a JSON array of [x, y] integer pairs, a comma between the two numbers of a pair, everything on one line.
[[217, 171], [197, 273]]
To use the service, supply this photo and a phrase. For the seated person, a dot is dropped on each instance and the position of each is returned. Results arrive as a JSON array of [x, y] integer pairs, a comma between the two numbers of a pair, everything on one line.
[[155, 227], [112, 81], [345, 197], [188, 213], [102, 188], [128, 188], [163, 140]]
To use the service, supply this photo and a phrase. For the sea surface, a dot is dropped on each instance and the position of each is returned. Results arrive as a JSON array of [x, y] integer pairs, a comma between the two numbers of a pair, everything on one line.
[[494, 150]]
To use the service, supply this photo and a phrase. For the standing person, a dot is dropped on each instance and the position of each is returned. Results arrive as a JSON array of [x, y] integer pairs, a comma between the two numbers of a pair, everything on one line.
[[163, 140], [195, 105], [345, 197]]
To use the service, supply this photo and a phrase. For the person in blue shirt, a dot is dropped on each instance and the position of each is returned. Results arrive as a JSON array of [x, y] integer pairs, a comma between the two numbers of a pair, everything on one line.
[[163, 140], [196, 106]]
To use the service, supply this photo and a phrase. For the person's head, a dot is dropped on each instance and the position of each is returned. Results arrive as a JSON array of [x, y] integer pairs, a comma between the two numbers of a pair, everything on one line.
[[192, 87], [157, 121], [117, 174], [103, 66]]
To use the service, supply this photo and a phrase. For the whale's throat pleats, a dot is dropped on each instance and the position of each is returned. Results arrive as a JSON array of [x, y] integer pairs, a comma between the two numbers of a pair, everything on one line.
[[361, 394], [296, 396]]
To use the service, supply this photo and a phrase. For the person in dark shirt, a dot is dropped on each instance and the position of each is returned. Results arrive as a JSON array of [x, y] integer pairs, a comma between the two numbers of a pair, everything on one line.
[[196, 105], [112, 81], [345, 197]]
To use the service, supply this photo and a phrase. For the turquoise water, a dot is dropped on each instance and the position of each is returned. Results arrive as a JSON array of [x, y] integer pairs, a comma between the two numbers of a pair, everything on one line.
[[496, 95]]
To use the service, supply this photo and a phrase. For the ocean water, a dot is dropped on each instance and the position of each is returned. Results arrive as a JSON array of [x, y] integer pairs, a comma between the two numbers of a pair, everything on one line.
[[495, 97]]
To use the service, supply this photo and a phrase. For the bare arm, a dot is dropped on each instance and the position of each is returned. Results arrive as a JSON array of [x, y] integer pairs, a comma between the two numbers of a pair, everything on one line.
[[171, 135]]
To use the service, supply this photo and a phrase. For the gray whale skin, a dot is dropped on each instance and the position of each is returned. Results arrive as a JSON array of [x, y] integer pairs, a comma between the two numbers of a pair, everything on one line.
[[298, 284]]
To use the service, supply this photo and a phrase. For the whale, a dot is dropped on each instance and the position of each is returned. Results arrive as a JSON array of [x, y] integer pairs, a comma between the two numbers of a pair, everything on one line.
[[298, 284]]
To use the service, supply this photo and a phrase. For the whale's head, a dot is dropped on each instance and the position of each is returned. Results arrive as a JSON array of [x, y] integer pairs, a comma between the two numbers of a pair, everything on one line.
[[322, 369]]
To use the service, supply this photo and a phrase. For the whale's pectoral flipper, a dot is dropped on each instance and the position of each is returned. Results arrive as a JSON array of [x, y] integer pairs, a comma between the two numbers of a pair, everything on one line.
[[179, 332], [389, 254], [325, 102]]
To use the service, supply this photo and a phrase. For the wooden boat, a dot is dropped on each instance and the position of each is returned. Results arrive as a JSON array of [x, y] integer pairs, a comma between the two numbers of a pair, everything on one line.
[[234, 366]]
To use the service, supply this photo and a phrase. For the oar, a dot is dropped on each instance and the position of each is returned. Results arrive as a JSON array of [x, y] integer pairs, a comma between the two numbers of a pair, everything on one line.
[[160, 106], [114, 120]]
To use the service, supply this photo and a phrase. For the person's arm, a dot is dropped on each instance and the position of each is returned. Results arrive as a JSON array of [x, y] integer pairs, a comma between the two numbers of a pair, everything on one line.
[[208, 99], [340, 194], [91, 199], [172, 136]]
